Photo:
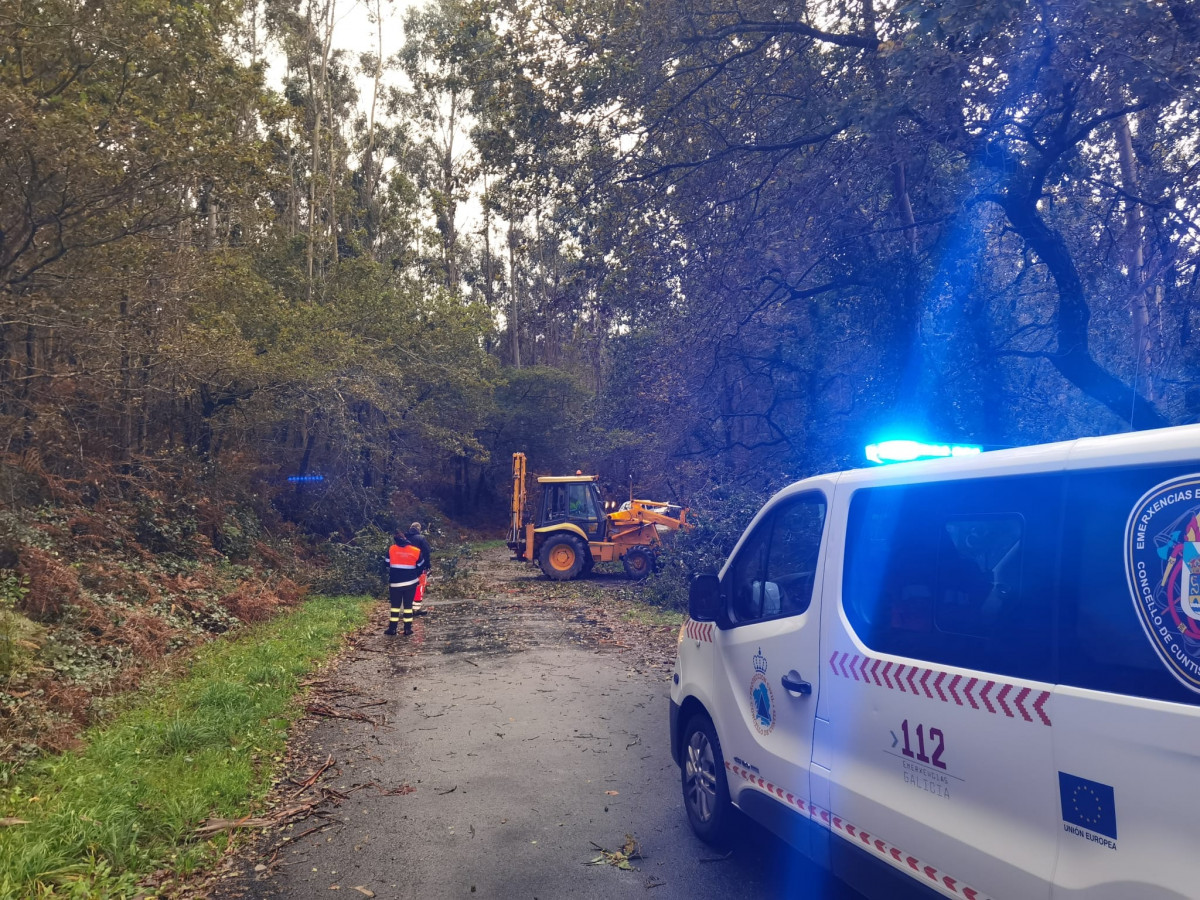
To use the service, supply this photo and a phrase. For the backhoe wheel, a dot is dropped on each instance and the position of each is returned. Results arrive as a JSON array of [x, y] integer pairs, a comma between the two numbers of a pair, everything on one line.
[[639, 562], [562, 557]]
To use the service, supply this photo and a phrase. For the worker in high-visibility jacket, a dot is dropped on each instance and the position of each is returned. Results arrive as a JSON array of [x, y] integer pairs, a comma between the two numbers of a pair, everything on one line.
[[415, 537], [404, 571]]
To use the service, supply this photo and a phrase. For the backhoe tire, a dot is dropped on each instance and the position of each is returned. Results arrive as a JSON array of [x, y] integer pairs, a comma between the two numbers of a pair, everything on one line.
[[639, 562], [561, 557]]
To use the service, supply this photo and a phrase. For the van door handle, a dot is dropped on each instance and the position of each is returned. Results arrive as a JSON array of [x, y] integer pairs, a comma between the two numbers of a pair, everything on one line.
[[795, 685]]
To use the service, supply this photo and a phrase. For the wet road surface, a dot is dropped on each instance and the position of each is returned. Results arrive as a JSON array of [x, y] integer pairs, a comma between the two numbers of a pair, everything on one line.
[[514, 751]]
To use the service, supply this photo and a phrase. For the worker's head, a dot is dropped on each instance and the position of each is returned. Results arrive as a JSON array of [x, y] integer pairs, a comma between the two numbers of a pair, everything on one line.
[[414, 528], [400, 538]]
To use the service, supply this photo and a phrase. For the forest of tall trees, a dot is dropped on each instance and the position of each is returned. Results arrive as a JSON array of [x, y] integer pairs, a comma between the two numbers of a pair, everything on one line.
[[693, 243]]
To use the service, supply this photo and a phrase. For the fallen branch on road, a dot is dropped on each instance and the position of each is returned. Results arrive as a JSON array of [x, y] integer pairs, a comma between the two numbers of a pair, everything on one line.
[[404, 788], [320, 709], [312, 779], [214, 826]]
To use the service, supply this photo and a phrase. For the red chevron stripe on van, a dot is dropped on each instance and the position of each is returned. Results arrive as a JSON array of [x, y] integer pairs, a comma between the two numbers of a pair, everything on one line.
[[994, 697]]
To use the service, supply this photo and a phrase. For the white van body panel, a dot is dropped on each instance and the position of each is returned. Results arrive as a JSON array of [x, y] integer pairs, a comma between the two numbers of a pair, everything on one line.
[[1149, 751], [929, 803], [975, 784]]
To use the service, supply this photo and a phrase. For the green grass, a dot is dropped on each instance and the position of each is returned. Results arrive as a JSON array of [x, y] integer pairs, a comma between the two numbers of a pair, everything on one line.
[[205, 745], [644, 614], [495, 544]]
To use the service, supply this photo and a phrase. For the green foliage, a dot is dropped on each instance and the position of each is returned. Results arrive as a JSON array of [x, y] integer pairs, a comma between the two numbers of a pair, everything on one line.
[[110, 109], [720, 515], [358, 566], [166, 528], [454, 570], [128, 804], [238, 533], [13, 641]]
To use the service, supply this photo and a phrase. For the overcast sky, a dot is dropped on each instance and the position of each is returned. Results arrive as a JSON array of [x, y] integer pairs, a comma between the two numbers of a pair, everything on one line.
[[354, 33]]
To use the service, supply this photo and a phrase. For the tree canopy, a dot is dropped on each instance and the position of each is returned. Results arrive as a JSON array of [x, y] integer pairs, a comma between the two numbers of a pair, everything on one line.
[[683, 241]]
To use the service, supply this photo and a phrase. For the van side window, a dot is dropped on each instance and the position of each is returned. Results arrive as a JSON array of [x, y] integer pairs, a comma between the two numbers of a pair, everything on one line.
[[1102, 643], [957, 573], [979, 566], [775, 571]]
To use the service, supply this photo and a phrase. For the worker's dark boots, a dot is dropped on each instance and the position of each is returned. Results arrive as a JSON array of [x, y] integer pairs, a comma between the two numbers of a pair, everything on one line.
[[391, 629], [407, 628]]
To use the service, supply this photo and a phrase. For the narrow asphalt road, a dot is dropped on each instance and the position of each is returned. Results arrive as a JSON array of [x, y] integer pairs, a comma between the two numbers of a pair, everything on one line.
[[514, 752]]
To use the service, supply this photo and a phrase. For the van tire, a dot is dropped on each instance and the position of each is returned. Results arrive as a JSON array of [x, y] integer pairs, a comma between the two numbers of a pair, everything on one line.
[[705, 788]]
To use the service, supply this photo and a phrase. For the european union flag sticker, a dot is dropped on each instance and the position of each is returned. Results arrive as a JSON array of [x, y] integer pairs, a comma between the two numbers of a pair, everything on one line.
[[1088, 804]]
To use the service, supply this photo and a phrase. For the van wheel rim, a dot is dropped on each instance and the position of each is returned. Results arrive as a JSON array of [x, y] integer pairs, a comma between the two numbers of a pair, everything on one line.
[[701, 777]]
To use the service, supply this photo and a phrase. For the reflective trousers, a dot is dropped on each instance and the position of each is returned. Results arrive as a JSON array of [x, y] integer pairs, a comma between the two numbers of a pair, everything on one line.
[[402, 604]]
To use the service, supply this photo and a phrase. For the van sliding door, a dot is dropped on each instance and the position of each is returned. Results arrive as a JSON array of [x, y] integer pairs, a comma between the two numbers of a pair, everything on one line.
[[936, 679]]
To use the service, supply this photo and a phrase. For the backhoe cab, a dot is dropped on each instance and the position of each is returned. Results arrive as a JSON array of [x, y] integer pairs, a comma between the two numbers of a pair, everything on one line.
[[571, 532]]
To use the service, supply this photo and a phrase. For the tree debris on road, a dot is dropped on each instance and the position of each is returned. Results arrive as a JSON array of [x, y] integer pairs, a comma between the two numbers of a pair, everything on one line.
[[630, 850]]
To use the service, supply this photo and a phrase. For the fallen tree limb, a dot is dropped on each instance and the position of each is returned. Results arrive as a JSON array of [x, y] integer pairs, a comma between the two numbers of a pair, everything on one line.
[[312, 779]]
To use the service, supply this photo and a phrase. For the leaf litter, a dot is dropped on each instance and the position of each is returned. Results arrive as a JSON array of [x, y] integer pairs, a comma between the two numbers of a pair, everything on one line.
[[620, 859]]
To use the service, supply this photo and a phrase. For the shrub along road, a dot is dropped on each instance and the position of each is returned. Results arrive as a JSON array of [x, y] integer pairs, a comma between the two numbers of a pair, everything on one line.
[[514, 746]]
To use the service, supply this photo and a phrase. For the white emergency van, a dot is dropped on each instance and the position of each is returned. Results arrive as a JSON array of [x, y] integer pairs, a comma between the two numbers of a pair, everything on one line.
[[974, 678]]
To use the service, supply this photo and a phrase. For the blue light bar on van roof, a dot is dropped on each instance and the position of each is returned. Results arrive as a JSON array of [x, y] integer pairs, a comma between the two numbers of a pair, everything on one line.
[[305, 479], [907, 451]]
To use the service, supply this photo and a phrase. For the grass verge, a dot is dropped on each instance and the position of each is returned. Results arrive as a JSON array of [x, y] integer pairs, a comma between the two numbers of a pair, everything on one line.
[[101, 819], [644, 614]]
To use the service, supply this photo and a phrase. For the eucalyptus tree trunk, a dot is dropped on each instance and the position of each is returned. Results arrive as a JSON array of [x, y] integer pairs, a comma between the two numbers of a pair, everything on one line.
[[514, 324], [370, 166], [318, 84]]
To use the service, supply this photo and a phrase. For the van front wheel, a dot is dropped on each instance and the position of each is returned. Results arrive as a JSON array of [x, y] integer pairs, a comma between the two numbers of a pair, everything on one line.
[[705, 788]]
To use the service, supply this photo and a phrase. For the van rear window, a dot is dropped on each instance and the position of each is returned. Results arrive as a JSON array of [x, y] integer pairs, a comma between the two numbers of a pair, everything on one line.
[[959, 573], [1103, 645]]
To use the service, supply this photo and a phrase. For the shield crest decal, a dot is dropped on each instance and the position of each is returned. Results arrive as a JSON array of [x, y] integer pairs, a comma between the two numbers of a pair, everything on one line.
[[1162, 566]]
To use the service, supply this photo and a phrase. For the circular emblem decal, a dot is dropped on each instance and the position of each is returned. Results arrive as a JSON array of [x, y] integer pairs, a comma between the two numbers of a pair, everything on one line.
[[762, 701], [1162, 564]]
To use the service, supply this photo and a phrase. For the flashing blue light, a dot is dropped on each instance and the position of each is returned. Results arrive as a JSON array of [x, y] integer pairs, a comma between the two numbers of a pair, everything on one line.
[[305, 479], [907, 451]]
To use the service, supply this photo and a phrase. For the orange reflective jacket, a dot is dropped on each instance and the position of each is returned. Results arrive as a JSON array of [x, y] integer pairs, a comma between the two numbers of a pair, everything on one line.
[[405, 557]]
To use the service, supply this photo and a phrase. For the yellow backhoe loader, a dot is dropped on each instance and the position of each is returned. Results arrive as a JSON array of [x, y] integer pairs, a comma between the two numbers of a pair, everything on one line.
[[572, 532]]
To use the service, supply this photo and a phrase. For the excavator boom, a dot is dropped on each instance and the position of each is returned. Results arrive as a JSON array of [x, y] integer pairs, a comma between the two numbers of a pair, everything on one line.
[[518, 498]]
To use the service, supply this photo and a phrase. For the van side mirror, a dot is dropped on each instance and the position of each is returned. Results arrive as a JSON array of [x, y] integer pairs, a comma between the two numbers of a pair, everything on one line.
[[704, 598]]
